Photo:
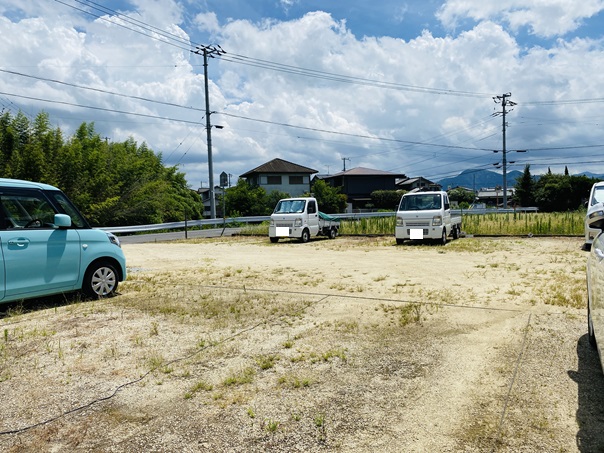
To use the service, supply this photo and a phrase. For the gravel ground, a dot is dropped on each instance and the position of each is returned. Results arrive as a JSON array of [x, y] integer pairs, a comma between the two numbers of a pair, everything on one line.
[[352, 345]]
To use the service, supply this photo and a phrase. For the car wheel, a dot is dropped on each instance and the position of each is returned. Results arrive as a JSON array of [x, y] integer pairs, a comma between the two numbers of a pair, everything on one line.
[[455, 232], [333, 233], [305, 236], [100, 280], [274, 240], [443, 240], [400, 241]]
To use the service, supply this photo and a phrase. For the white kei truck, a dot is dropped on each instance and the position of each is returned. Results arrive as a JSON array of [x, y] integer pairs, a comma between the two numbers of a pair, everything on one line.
[[300, 218], [426, 216]]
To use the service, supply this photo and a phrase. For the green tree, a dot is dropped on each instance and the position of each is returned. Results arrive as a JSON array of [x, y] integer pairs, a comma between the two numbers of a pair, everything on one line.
[[462, 195], [525, 188], [245, 200], [330, 200], [386, 199]]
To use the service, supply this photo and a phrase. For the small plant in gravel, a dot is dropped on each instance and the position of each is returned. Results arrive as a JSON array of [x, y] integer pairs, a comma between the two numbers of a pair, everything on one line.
[[267, 362], [201, 386], [244, 376], [293, 381], [319, 421], [271, 426]]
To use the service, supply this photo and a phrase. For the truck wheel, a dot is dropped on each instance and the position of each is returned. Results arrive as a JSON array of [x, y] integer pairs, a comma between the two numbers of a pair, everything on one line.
[[274, 240], [443, 240], [333, 233], [400, 241], [305, 236], [455, 232]]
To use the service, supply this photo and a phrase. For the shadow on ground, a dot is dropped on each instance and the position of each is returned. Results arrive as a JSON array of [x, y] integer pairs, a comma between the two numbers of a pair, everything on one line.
[[590, 387]]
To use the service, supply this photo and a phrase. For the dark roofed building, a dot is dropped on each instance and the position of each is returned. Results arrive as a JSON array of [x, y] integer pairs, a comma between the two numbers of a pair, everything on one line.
[[358, 183], [281, 175], [420, 182]]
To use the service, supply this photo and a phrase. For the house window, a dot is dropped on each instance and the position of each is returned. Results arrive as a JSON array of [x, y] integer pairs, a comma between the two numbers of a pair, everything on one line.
[[296, 180], [273, 180]]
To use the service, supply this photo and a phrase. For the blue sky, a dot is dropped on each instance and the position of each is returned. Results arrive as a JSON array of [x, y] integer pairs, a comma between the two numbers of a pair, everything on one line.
[[397, 86]]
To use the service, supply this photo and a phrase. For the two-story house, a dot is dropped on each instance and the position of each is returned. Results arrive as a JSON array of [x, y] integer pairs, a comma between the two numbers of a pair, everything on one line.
[[281, 175]]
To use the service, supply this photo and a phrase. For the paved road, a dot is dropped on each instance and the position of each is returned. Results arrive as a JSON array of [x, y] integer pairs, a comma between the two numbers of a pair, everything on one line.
[[160, 237]]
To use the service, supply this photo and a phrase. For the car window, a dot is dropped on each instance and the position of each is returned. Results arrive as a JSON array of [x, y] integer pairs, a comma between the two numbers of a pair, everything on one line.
[[30, 210], [76, 218]]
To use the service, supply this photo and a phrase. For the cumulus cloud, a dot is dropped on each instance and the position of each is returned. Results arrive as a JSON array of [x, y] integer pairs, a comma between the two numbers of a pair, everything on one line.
[[383, 102], [545, 18]]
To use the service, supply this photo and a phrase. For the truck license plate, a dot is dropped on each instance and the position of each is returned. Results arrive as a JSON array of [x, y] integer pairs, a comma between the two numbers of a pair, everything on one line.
[[282, 231], [416, 233]]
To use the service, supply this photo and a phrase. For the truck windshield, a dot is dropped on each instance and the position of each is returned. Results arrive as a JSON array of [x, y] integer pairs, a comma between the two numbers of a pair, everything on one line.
[[290, 206], [598, 196], [420, 202]]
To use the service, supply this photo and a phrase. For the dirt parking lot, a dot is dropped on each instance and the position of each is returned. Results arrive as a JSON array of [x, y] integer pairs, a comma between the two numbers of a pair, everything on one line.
[[351, 345]]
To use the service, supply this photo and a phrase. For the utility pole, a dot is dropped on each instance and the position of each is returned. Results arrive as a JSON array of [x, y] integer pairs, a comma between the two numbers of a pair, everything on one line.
[[209, 51], [344, 159], [503, 99]]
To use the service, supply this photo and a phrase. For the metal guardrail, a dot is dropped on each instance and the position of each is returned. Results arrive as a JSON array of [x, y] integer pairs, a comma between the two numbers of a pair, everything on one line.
[[258, 219]]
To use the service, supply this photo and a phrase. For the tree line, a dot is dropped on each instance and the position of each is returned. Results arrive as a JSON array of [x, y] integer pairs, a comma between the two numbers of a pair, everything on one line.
[[112, 183], [126, 183]]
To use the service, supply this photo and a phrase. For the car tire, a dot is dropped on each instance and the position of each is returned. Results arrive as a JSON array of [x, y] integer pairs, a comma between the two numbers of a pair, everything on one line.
[[274, 240], [305, 236], [100, 280], [455, 232], [443, 239], [400, 241], [333, 233]]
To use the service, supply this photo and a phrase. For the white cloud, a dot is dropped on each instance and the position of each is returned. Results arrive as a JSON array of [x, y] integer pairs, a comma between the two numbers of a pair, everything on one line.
[[545, 18], [482, 61]]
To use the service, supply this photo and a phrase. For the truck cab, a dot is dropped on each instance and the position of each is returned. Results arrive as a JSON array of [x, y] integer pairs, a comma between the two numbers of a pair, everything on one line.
[[426, 215], [300, 218]]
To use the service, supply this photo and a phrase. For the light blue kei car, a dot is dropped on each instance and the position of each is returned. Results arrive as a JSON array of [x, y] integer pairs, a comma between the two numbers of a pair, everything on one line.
[[47, 247]]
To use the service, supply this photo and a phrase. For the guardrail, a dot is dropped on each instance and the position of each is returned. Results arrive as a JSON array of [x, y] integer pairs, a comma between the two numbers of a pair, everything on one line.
[[257, 219]]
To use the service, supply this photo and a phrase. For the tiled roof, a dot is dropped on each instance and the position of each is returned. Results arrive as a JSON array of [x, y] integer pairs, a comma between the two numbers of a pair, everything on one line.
[[279, 166]]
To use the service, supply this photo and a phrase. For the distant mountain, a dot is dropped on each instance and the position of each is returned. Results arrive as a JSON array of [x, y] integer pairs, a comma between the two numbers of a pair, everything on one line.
[[592, 175], [473, 179]]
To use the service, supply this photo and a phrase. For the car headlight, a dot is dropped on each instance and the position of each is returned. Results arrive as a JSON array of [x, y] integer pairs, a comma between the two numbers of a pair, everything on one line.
[[298, 222], [437, 220], [114, 239], [399, 221]]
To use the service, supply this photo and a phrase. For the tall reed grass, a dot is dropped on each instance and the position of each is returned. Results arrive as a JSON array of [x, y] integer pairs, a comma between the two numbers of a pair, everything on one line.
[[512, 223]]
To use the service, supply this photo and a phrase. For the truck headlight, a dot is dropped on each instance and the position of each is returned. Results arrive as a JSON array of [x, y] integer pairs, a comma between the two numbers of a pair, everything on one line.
[[272, 223], [298, 222], [399, 222], [437, 220]]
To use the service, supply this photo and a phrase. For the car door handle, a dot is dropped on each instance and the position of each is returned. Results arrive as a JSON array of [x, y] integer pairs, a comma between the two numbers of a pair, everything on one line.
[[20, 242]]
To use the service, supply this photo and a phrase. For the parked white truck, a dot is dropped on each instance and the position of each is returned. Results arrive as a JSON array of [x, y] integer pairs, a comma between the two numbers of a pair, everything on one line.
[[300, 218], [426, 215]]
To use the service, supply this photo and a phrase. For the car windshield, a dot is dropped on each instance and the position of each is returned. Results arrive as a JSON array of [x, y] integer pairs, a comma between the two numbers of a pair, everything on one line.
[[420, 202], [598, 196], [290, 206]]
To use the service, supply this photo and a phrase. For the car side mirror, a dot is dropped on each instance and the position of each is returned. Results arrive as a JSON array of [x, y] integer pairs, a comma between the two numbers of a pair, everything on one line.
[[62, 221]]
